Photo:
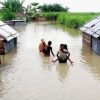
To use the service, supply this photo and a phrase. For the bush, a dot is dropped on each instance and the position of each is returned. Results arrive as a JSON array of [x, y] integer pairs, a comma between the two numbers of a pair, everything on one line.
[[75, 20], [50, 15], [7, 15], [53, 8]]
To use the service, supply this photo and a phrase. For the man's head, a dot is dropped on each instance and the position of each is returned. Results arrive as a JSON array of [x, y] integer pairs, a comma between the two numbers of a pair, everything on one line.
[[42, 40], [61, 46]]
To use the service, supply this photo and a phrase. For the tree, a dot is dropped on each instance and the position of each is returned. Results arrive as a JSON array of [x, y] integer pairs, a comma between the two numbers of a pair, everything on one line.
[[13, 5], [10, 7], [35, 4], [53, 8], [34, 7], [7, 15]]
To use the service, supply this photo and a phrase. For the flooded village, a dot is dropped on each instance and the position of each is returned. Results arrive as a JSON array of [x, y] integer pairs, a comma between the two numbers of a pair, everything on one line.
[[26, 74]]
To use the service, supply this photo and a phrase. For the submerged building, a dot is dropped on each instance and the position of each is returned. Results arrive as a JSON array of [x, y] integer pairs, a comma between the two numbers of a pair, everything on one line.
[[8, 38], [91, 34]]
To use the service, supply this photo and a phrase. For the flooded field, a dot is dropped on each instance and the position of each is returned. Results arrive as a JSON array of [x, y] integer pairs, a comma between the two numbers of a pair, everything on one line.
[[27, 75]]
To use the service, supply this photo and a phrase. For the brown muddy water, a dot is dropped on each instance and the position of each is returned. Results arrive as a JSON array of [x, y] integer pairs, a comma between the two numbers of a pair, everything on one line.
[[27, 75]]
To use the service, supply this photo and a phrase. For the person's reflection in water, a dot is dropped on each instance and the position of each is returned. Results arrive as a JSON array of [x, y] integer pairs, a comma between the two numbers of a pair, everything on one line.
[[62, 70], [46, 62]]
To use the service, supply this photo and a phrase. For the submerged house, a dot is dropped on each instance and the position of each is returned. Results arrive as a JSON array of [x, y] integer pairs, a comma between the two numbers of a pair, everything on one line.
[[8, 38], [20, 19], [91, 34], [21, 16]]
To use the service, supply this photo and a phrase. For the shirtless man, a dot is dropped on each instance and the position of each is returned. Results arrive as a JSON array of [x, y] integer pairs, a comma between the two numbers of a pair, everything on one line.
[[42, 45]]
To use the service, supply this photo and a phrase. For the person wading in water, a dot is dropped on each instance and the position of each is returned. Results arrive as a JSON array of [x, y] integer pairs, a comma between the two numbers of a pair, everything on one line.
[[63, 54], [48, 49], [42, 46]]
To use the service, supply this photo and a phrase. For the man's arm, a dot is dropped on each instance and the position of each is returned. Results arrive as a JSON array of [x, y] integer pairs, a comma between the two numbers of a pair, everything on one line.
[[52, 52]]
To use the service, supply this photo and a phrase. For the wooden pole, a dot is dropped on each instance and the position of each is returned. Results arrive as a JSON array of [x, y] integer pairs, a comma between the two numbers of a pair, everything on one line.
[[3, 59]]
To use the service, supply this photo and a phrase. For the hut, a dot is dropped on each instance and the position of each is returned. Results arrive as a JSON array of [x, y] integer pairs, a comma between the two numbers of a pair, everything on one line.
[[21, 16], [20, 19], [91, 34], [8, 38]]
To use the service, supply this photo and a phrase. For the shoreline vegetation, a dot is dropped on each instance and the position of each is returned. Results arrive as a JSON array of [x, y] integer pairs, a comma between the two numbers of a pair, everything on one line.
[[49, 12], [72, 20], [68, 19]]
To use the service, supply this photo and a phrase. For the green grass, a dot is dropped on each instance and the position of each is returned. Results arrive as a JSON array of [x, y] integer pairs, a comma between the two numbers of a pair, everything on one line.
[[73, 20], [0, 17], [50, 15]]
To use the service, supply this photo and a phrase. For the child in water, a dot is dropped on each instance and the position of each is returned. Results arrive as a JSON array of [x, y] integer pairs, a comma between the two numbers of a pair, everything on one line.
[[66, 48], [63, 54], [48, 49]]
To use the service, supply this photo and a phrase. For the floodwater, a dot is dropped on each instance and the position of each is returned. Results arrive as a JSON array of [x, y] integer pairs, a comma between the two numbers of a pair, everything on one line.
[[27, 75]]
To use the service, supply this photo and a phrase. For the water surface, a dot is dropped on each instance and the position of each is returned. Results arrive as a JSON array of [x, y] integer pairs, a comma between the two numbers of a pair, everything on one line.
[[27, 75]]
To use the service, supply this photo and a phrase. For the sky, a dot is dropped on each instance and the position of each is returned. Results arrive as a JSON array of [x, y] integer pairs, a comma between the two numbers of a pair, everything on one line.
[[74, 5]]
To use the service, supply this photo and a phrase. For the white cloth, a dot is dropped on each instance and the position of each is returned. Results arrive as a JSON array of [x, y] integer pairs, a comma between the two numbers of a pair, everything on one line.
[[62, 55]]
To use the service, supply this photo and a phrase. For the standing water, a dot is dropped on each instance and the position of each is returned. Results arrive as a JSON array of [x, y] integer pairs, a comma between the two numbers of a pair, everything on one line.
[[27, 75]]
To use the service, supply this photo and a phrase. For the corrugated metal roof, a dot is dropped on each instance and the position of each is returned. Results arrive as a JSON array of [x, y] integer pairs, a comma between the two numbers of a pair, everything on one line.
[[1, 23], [98, 32], [92, 27], [7, 32], [83, 29], [88, 31], [95, 35]]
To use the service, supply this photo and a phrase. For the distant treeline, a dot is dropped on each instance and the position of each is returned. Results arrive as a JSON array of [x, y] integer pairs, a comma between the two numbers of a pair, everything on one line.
[[50, 11], [9, 9], [53, 8]]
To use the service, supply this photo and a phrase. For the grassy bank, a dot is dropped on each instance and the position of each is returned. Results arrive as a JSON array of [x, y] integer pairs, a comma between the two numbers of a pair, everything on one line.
[[73, 20], [50, 15]]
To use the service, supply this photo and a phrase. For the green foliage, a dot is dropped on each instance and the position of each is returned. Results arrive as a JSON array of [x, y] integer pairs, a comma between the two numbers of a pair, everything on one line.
[[35, 4], [75, 20], [34, 7], [13, 5], [7, 15], [9, 7], [31, 9], [0, 15], [50, 16], [53, 8]]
